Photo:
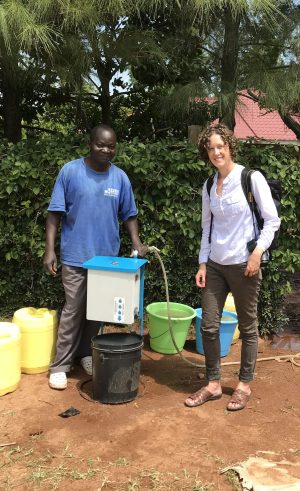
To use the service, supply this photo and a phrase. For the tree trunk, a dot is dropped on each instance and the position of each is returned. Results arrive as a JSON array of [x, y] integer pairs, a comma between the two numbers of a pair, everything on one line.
[[291, 123], [11, 115], [229, 64], [194, 131], [105, 75], [288, 120], [104, 72], [11, 99], [105, 101]]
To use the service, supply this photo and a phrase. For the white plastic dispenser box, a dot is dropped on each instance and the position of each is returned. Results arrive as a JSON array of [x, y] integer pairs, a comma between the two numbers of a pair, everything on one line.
[[115, 289]]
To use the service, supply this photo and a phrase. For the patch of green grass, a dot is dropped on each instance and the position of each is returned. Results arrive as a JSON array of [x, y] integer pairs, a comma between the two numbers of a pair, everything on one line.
[[133, 485], [198, 486], [40, 461], [105, 481], [167, 481], [76, 475], [121, 461], [66, 453], [153, 474], [39, 474], [15, 454], [58, 474], [9, 414], [216, 459], [7, 483], [40, 468], [233, 479], [36, 436]]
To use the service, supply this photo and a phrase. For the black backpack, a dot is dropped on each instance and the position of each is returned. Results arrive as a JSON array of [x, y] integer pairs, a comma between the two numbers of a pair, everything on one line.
[[275, 187]]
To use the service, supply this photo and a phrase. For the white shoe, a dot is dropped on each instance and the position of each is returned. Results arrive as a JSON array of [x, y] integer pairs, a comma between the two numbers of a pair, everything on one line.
[[58, 380], [87, 364]]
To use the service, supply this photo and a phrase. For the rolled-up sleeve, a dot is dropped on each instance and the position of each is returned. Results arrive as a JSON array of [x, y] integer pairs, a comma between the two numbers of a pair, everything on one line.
[[58, 197], [263, 197], [127, 206], [205, 223]]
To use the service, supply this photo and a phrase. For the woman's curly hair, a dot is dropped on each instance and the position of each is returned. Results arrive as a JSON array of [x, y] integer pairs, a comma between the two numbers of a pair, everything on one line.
[[218, 129]]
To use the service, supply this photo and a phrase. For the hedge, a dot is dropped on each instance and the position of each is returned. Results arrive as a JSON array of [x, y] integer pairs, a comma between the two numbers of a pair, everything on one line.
[[167, 177]]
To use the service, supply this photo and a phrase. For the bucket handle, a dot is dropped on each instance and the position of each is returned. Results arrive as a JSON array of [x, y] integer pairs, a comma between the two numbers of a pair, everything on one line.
[[162, 334], [104, 350]]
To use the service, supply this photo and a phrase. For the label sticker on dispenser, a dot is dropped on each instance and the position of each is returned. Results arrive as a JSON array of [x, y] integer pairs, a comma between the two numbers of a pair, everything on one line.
[[119, 310]]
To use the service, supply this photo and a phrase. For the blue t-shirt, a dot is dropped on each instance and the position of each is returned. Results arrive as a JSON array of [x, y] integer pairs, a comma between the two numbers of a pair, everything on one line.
[[92, 204]]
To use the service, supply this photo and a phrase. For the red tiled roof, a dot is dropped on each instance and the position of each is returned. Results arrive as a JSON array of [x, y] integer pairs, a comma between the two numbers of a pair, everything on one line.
[[251, 121]]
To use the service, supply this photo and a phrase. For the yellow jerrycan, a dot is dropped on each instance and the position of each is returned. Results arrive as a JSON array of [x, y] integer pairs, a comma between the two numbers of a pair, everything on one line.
[[229, 305], [10, 357], [38, 338]]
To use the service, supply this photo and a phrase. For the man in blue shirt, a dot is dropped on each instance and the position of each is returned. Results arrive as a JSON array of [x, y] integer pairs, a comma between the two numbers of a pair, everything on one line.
[[90, 195]]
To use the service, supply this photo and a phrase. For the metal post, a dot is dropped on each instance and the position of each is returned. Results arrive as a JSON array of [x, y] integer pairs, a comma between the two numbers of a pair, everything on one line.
[[141, 302]]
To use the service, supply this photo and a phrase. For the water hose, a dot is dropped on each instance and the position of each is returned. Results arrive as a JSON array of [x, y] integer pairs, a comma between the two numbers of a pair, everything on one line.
[[280, 358], [156, 251]]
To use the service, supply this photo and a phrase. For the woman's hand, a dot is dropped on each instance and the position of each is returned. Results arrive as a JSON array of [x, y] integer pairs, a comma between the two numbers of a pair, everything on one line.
[[201, 276], [253, 264]]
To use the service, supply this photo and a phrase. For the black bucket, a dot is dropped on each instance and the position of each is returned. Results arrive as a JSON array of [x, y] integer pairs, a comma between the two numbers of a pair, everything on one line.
[[116, 367]]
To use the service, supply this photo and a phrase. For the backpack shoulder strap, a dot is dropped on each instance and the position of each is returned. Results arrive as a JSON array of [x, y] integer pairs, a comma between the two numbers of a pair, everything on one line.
[[209, 184], [246, 185], [247, 188]]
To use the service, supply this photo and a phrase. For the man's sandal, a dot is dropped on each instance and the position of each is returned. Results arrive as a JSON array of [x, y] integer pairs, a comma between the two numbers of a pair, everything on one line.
[[58, 381], [87, 364], [238, 400], [200, 397]]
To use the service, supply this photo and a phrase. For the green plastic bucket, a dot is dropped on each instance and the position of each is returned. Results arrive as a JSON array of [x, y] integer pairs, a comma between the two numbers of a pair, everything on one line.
[[160, 337]]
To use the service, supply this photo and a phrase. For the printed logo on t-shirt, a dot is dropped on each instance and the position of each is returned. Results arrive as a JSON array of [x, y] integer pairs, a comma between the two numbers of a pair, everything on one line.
[[114, 193]]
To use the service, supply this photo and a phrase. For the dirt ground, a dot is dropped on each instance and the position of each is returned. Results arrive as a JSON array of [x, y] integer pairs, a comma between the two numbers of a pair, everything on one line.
[[153, 442]]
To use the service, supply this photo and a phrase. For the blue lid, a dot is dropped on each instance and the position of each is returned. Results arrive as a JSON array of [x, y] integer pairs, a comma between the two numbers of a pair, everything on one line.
[[109, 263]]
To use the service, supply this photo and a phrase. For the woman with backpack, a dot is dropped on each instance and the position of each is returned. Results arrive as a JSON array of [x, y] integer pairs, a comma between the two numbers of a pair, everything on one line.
[[230, 260]]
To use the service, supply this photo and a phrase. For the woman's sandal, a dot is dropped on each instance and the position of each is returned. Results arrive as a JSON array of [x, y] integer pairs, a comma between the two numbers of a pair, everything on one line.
[[200, 397], [238, 400]]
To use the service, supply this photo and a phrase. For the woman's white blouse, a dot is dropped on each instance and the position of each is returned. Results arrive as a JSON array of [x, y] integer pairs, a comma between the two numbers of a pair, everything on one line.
[[232, 219]]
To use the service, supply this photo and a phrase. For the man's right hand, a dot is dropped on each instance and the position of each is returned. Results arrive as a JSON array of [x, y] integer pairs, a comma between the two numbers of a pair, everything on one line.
[[52, 224], [50, 263]]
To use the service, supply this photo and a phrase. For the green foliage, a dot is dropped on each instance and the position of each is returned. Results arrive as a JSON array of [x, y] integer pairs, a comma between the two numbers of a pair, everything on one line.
[[167, 177], [28, 171], [270, 308], [155, 114], [278, 162]]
